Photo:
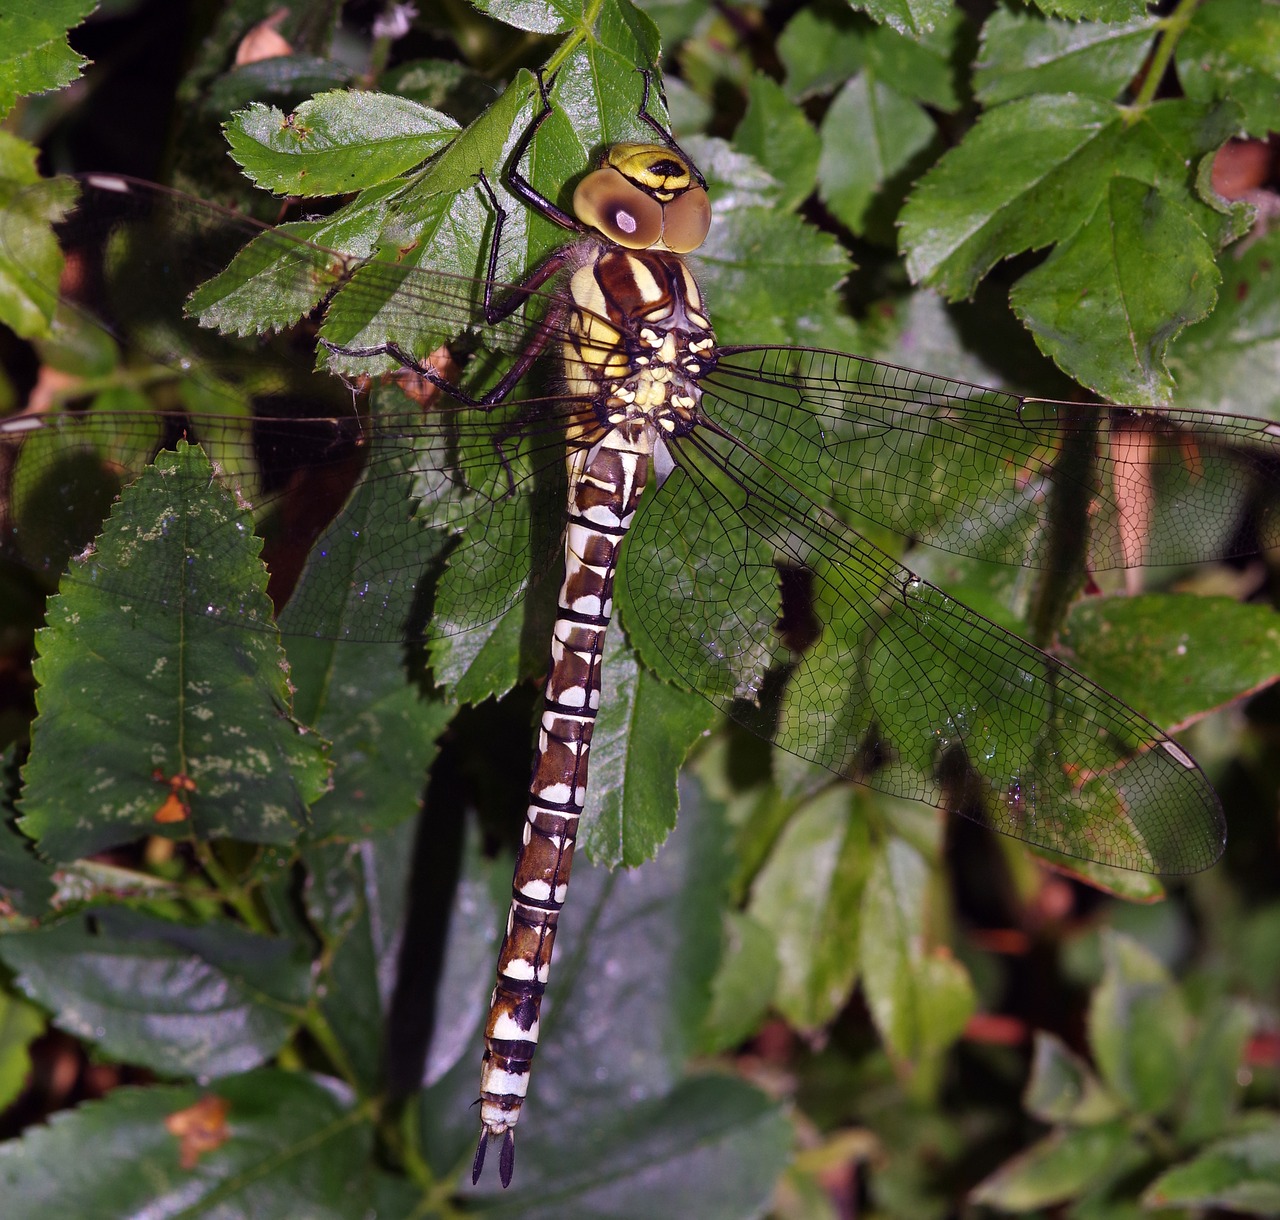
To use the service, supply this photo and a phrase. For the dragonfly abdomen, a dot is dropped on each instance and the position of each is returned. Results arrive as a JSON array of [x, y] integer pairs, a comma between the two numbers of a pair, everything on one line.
[[604, 490]]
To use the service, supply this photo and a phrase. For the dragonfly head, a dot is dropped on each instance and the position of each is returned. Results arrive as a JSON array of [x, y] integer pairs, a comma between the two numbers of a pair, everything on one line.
[[645, 196]]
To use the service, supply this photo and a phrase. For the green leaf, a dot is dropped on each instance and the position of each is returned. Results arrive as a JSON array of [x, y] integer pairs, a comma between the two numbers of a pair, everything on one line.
[[1094, 10], [1138, 1028], [768, 277], [1110, 298], [20, 1025], [1231, 360], [712, 1145], [269, 1144], [1066, 1163], [644, 731], [357, 897], [337, 142], [542, 17], [1043, 170], [357, 695], [26, 881], [820, 49], [30, 259], [809, 896], [870, 135], [1231, 49], [745, 984], [186, 730], [1172, 656], [1213, 1089], [911, 17], [777, 133], [1240, 1174], [1023, 53], [920, 997], [823, 48], [632, 1134], [35, 56], [1063, 1089], [205, 1000]]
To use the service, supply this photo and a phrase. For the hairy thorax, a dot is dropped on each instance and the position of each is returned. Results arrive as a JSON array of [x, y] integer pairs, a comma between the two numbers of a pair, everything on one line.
[[639, 342]]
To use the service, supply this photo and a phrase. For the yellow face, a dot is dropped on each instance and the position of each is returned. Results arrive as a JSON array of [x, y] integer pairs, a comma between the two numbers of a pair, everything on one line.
[[645, 196]]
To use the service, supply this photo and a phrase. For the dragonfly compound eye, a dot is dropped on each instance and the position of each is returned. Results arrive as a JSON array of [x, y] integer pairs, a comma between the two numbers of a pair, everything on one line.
[[620, 210], [686, 220]]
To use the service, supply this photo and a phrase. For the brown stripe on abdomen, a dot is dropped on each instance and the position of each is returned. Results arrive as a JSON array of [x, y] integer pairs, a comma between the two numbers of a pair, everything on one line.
[[605, 486]]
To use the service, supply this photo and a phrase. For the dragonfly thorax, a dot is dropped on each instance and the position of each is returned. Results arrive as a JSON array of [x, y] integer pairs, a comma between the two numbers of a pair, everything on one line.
[[638, 339]]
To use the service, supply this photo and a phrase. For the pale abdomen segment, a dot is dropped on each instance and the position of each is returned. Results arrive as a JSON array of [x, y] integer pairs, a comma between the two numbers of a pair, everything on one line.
[[605, 485]]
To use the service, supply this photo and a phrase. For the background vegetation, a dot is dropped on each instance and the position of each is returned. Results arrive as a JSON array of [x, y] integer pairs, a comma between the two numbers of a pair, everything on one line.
[[810, 1000]]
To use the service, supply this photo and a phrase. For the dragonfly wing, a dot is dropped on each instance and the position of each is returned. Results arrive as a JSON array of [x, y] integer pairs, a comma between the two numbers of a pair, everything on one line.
[[814, 638], [980, 472], [165, 273]]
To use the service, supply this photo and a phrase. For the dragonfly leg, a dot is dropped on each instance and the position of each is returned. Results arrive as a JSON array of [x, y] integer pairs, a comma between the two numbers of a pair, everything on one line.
[[662, 133], [519, 184]]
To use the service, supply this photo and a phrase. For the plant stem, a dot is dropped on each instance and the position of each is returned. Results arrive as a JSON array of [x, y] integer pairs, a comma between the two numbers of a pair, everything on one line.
[[1172, 29]]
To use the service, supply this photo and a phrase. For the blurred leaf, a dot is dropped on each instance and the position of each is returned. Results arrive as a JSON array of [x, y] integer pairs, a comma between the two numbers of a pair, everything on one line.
[[336, 142], [288, 1148], [205, 1000], [911, 17], [1231, 360], [1213, 1088], [30, 259], [869, 135], [178, 699], [26, 881], [1066, 1163], [1240, 1173], [809, 895], [822, 48], [745, 984], [819, 49], [777, 134], [357, 895], [768, 276], [1063, 1089], [358, 695], [633, 1134], [1138, 1028], [1023, 53], [920, 997], [20, 1025], [1231, 49]]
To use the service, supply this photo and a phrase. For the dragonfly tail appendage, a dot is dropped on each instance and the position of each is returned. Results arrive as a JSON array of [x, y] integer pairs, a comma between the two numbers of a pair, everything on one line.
[[605, 486]]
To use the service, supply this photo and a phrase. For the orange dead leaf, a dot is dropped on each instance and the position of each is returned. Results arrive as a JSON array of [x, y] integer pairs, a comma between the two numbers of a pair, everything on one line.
[[173, 808], [264, 41], [199, 1128]]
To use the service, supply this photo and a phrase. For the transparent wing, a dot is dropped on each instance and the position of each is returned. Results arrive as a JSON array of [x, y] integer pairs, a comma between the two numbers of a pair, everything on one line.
[[741, 586], [978, 472], [167, 275]]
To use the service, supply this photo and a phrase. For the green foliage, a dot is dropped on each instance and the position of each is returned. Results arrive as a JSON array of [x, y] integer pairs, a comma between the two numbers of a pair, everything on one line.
[[1164, 1082], [37, 57], [272, 966]]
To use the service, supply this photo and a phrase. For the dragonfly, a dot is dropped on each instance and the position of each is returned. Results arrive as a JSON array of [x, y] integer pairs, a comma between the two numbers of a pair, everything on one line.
[[597, 429]]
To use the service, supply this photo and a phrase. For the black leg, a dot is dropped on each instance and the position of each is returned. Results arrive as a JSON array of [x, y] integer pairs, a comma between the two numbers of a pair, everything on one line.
[[663, 134]]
